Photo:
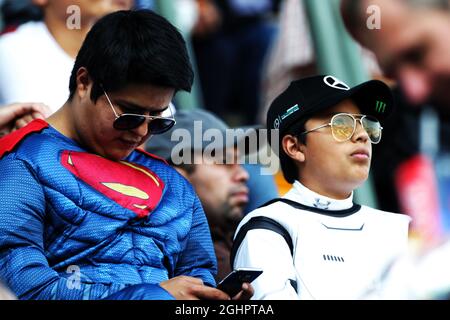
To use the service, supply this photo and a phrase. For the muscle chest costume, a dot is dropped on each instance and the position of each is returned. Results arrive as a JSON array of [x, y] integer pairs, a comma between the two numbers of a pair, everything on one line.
[[340, 250], [74, 225]]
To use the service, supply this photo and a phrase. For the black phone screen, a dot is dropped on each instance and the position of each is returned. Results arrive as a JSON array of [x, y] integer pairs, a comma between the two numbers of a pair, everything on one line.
[[232, 283]]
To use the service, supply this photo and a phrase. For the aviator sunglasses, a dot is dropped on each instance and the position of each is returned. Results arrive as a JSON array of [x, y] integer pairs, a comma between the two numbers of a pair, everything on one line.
[[129, 121], [343, 126]]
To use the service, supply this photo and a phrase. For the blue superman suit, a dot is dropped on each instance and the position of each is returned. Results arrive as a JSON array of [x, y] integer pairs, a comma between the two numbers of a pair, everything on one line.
[[74, 225]]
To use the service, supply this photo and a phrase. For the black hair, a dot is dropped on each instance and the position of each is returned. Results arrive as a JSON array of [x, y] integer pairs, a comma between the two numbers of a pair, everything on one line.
[[133, 46]]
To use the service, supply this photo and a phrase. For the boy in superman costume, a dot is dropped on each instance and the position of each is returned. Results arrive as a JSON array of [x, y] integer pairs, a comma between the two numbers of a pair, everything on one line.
[[86, 215]]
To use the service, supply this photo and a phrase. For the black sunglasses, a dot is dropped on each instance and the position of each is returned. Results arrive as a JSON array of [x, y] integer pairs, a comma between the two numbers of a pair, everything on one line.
[[129, 121]]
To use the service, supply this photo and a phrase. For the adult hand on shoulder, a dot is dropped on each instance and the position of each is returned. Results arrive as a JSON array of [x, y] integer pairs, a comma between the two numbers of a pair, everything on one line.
[[17, 115], [189, 288]]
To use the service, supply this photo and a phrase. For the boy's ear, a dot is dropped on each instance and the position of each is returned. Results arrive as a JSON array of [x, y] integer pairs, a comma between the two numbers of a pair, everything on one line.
[[293, 148]]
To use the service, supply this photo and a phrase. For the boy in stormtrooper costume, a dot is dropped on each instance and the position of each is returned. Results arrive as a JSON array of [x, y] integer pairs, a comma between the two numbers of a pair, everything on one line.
[[315, 242]]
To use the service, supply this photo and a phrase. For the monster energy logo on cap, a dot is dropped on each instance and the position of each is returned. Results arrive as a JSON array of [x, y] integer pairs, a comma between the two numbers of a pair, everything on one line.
[[380, 106]]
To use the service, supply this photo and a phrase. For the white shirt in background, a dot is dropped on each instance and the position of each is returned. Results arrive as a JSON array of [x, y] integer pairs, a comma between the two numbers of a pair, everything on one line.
[[33, 67]]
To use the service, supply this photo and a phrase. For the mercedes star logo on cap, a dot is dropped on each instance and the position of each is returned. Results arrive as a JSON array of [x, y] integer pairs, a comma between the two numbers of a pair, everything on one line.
[[335, 83]]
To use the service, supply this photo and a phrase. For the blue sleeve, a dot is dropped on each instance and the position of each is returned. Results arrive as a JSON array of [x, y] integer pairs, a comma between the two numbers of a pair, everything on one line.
[[198, 258], [23, 265], [143, 291]]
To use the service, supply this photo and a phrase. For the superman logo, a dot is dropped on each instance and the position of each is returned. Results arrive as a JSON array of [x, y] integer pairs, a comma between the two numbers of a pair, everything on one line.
[[130, 185]]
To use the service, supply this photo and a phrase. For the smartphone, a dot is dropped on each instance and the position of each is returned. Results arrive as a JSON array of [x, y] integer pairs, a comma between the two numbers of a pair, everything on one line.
[[232, 283]]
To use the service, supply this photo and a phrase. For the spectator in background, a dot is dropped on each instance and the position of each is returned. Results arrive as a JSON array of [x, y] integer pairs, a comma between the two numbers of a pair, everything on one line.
[[412, 46], [36, 59], [220, 186], [17, 115], [231, 39], [85, 215], [16, 12]]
